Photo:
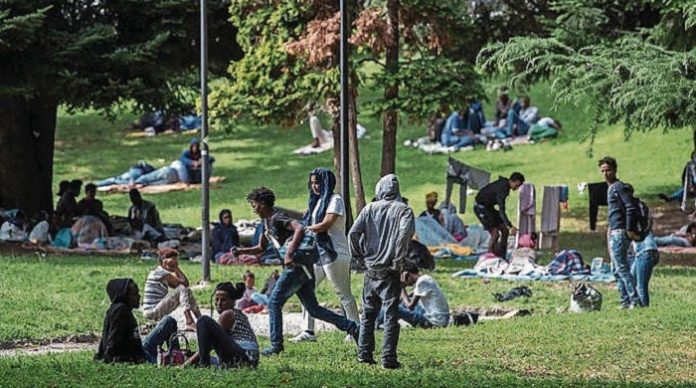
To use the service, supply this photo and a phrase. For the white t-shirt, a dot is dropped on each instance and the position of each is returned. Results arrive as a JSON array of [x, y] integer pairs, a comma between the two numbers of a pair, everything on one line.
[[432, 300], [546, 122], [337, 231]]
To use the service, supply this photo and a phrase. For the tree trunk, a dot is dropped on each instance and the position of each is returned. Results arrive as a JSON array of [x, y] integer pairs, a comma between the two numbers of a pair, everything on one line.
[[27, 132], [391, 92], [353, 140], [694, 130]]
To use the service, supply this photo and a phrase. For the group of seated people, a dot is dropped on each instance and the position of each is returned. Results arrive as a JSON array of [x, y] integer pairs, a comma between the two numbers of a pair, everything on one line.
[[158, 121], [231, 336], [186, 169], [468, 126]]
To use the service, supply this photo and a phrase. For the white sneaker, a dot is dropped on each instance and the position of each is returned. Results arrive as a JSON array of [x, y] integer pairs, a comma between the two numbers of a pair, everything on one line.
[[349, 338], [303, 337]]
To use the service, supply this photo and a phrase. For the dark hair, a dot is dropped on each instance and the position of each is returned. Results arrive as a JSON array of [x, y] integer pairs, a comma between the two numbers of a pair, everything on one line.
[[516, 176], [248, 274], [691, 226], [167, 253], [63, 187], [223, 212], [235, 291], [76, 184], [525, 99], [134, 193], [262, 194], [609, 161], [90, 188], [411, 267]]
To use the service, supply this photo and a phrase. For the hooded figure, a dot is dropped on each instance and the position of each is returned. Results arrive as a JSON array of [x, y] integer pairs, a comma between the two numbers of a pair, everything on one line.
[[192, 159], [327, 181], [120, 340], [379, 239], [224, 235], [380, 235]]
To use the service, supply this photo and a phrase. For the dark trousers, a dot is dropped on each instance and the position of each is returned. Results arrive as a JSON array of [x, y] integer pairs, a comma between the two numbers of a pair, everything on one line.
[[212, 336], [378, 294]]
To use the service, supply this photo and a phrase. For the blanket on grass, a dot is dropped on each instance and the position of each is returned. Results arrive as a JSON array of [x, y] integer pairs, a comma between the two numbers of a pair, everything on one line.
[[472, 273], [159, 189], [679, 250]]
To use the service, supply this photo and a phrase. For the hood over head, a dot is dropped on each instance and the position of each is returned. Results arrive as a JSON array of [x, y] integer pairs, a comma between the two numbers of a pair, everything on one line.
[[117, 289], [327, 180], [388, 188]]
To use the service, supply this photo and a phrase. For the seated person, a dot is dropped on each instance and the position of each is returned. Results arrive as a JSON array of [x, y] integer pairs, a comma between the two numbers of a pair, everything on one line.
[[455, 133], [431, 211], [475, 118], [159, 302], [502, 107], [144, 211], [91, 206], [175, 172], [450, 221], [322, 136], [232, 337], [120, 341], [546, 127], [67, 204], [686, 240], [193, 159], [428, 307], [246, 300], [521, 116], [128, 177], [224, 235], [688, 182], [262, 297], [86, 229]]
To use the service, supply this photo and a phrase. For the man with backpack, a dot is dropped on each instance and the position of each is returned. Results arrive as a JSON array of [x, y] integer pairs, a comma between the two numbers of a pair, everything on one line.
[[623, 222]]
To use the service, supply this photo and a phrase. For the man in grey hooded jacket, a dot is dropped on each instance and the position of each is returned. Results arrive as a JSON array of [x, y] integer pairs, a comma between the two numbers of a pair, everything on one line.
[[379, 241]]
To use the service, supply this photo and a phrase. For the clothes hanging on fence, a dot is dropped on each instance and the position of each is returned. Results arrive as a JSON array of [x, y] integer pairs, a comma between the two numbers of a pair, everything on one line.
[[598, 197], [550, 217], [466, 176], [526, 211]]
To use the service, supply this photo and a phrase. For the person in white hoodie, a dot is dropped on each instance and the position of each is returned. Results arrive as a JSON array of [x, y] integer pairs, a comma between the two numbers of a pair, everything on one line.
[[379, 242]]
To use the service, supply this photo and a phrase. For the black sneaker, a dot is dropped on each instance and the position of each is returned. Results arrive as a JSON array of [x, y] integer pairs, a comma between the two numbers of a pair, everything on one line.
[[367, 360], [391, 365], [664, 197]]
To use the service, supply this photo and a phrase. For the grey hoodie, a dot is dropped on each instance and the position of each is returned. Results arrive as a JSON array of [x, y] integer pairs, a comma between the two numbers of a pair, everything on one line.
[[379, 238]]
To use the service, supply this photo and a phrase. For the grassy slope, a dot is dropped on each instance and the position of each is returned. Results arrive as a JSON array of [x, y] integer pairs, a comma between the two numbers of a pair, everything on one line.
[[547, 348]]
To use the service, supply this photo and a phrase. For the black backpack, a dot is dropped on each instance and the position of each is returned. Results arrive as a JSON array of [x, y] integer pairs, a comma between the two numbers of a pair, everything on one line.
[[644, 219]]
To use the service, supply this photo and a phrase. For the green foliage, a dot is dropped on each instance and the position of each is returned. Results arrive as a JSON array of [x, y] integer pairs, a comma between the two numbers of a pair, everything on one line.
[[96, 54], [268, 84], [631, 79]]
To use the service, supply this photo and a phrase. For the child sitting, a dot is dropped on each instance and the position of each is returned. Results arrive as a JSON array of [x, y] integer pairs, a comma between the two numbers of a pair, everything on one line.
[[246, 300]]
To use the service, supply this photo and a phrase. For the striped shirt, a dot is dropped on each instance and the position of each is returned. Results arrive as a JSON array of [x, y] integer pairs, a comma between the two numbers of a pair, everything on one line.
[[155, 288]]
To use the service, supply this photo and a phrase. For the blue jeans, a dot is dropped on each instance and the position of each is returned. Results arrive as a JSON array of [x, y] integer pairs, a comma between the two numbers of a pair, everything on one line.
[[515, 125], [618, 249], [672, 241], [164, 330], [294, 281], [641, 270], [212, 336], [260, 299], [415, 317], [450, 140], [126, 178], [161, 176]]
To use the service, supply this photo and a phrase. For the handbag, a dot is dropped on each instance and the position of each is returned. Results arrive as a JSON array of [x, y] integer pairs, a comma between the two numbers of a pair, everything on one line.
[[306, 252], [172, 356]]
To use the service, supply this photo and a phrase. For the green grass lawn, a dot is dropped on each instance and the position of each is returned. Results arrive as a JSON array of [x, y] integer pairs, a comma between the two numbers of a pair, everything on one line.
[[43, 297]]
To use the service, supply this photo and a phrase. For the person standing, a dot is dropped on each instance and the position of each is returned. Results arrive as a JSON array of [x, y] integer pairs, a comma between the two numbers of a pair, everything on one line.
[[622, 215], [379, 241], [325, 216], [496, 222], [296, 278]]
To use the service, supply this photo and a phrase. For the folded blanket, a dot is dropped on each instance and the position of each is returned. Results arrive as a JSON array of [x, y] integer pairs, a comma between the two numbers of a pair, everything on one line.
[[681, 250]]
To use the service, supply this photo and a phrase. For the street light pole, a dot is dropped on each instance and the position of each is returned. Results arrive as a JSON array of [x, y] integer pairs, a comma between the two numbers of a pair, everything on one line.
[[344, 164], [205, 166]]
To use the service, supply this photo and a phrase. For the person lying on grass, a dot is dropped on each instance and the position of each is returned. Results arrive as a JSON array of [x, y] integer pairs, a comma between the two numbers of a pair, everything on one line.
[[427, 307], [159, 302], [120, 340], [231, 336]]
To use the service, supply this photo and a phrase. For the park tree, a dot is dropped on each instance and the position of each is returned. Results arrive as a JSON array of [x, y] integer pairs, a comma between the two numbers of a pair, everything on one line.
[[91, 54], [644, 78]]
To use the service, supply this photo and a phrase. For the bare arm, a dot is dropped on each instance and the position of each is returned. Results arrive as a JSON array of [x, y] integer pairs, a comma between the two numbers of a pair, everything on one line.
[[325, 224], [409, 303], [252, 250]]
